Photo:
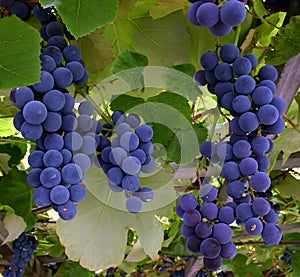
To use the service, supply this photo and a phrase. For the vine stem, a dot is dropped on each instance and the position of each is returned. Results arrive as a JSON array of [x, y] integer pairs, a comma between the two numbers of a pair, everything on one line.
[[195, 117], [268, 274], [290, 121], [41, 210], [19, 140], [237, 34]]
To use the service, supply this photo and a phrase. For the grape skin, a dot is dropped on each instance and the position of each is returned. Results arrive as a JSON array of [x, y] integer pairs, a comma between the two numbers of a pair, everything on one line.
[[207, 14], [203, 229], [254, 226], [229, 52], [232, 13], [188, 202], [210, 248], [191, 218], [222, 233]]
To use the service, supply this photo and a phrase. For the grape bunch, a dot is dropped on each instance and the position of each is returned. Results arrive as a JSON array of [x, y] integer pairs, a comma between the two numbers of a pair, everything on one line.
[[23, 247], [65, 144], [219, 21], [287, 258], [20, 8], [127, 156], [206, 227]]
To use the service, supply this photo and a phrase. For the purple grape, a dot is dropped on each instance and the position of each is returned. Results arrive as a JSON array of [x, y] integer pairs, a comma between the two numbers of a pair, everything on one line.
[[191, 218], [254, 226], [203, 229], [210, 248], [188, 202]]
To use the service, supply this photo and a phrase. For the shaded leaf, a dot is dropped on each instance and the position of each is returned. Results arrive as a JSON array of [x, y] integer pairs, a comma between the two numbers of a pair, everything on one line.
[[259, 8], [164, 7], [128, 60], [15, 225], [289, 186], [71, 269], [19, 54]]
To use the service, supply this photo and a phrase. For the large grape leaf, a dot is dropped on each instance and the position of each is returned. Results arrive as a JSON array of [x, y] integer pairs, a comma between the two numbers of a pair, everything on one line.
[[84, 16], [288, 186], [164, 7], [286, 43], [71, 269], [97, 237], [15, 225], [19, 53]]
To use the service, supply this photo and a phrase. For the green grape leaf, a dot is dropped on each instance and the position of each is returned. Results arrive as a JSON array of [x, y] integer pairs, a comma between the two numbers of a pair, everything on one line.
[[6, 107], [15, 225], [71, 269], [174, 229], [125, 6], [286, 43], [102, 221], [288, 186], [16, 151], [164, 41], [259, 8], [16, 193], [96, 50], [128, 60], [186, 68], [7, 127], [84, 16], [125, 102], [164, 7], [19, 53]]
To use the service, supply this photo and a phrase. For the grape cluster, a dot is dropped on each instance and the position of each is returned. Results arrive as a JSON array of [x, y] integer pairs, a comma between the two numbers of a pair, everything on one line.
[[126, 156], [16, 7], [206, 227], [256, 113], [220, 21], [23, 247], [287, 258], [64, 144]]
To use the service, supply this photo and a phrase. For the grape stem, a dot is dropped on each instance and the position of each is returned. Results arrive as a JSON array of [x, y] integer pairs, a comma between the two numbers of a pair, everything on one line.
[[290, 122], [210, 111], [268, 274], [41, 210]]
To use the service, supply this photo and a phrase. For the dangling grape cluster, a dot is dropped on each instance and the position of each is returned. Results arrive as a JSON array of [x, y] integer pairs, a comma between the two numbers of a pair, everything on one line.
[[23, 247], [64, 143], [220, 21], [126, 156], [206, 227], [256, 113]]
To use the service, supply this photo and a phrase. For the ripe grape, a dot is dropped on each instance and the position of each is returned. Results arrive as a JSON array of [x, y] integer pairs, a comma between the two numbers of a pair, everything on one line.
[[241, 104], [220, 29], [193, 244], [268, 72], [208, 192], [244, 84], [248, 122], [235, 189], [222, 233], [213, 264], [67, 211], [55, 53], [63, 77], [144, 132], [71, 174], [262, 95], [231, 171], [34, 112], [261, 206], [21, 96], [187, 231], [203, 229], [57, 41], [232, 13], [271, 234], [41, 196], [209, 210], [243, 212], [130, 183], [188, 202], [210, 248], [226, 215], [223, 72], [248, 166], [207, 14], [229, 52], [241, 66], [228, 251], [59, 195], [260, 181], [209, 60], [191, 218], [254, 226], [54, 100], [134, 204]]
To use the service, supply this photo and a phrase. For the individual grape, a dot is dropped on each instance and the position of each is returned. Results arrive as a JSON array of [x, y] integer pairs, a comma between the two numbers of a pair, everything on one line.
[[147, 147], [253, 59], [248, 122], [268, 72], [43, 15], [179, 211], [117, 155], [118, 117], [150, 166], [224, 151], [187, 231], [77, 192], [213, 264], [209, 210], [131, 165], [129, 141], [268, 83], [52, 158], [275, 128], [191, 218], [236, 130], [228, 251], [220, 29], [192, 13], [54, 29], [21, 96], [254, 226], [76, 69], [222, 233], [210, 248], [223, 72], [54, 100], [105, 154], [35, 159], [229, 52], [55, 53], [53, 122], [244, 84], [69, 104], [243, 212], [57, 41], [20, 9], [31, 132], [207, 149], [244, 199], [271, 234], [203, 229], [34, 112], [144, 132], [18, 120], [210, 77], [188, 202], [226, 101], [199, 77], [248, 166], [146, 194], [261, 206], [122, 128], [84, 78], [6, 3], [59, 195], [207, 14], [231, 171], [72, 53], [241, 104], [208, 193], [133, 120], [115, 175], [241, 149], [271, 216], [53, 141], [262, 95], [130, 183], [33, 177], [41, 196], [138, 153], [193, 244], [73, 141], [279, 104], [223, 87], [260, 181], [209, 60], [241, 66], [46, 82], [260, 145], [263, 163], [82, 160], [69, 123], [85, 123], [234, 137], [232, 13], [67, 211], [134, 204], [226, 215], [63, 77], [50, 177], [268, 114], [71, 174], [89, 145]]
